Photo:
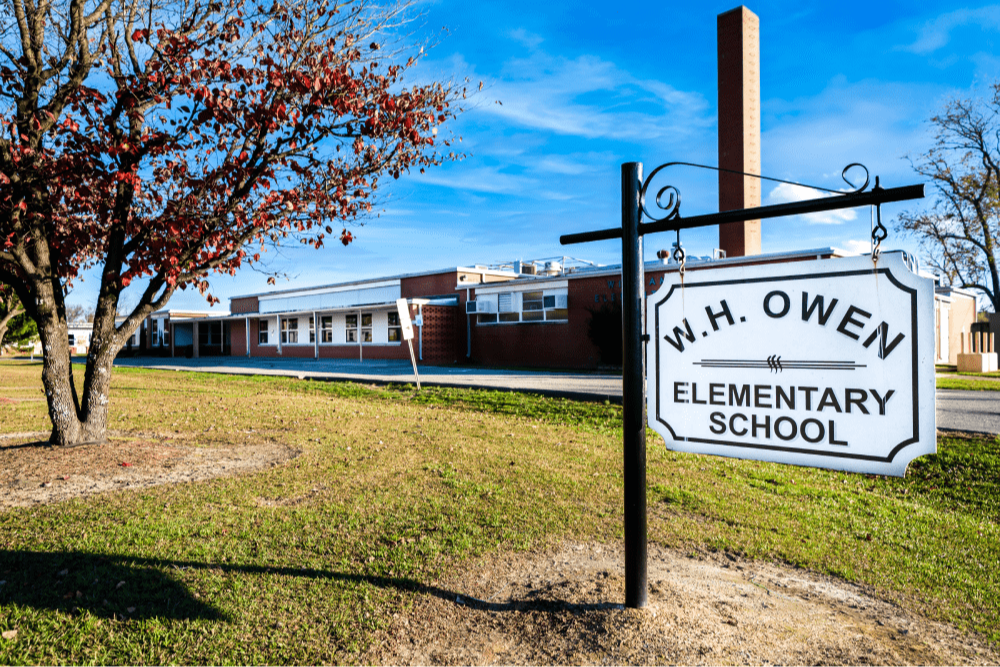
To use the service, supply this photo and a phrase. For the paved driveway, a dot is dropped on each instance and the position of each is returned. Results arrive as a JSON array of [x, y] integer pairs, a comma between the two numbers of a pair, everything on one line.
[[977, 411]]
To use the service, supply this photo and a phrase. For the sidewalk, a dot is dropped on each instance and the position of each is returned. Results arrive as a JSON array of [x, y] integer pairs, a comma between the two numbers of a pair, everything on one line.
[[571, 384]]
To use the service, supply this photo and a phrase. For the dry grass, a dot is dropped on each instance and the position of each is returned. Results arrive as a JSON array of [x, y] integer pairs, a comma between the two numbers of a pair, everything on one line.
[[308, 562]]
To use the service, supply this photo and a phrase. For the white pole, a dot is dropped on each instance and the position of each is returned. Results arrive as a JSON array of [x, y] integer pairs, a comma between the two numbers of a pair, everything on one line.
[[413, 359], [316, 334]]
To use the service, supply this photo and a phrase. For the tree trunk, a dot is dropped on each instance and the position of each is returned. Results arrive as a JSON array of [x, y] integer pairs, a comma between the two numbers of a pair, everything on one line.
[[73, 423], [57, 378], [5, 322]]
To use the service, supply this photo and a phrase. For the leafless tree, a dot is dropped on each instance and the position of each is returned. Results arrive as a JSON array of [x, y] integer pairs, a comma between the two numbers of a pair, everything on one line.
[[959, 234], [77, 314]]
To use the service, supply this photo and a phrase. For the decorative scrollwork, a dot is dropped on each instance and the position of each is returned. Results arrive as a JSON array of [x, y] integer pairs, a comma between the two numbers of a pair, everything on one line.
[[856, 190], [673, 204], [673, 195]]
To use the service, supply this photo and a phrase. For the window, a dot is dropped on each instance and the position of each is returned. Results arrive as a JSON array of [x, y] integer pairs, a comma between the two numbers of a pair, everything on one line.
[[312, 330], [166, 334], [525, 307], [290, 331], [506, 308], [532, 301], [327, 324], [395, 328], [366, 327], [506, 302], [555, 307], [72, 340], [262, 332], [156, 333], [352, 328], [210, 333], [531, 307]]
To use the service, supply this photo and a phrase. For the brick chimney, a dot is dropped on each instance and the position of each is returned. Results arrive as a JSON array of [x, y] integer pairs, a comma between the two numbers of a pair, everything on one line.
[[739, 126]]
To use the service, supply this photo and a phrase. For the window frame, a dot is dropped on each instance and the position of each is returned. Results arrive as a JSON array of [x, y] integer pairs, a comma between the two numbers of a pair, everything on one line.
[[526, 307], [351, 330], [366, 330], [263, 327], [288, 335], [394, 328]]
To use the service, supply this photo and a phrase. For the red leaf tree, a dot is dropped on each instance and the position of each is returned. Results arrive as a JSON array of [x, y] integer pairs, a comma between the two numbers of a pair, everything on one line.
[[167, 142]]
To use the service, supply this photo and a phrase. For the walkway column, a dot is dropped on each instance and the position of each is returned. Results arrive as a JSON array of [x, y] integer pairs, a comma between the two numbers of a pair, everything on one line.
[[315, 336], [739, 126]]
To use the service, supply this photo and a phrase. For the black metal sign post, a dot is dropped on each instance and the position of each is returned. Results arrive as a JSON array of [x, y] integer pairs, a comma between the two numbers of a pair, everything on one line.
[[633, 315], [633, 388]]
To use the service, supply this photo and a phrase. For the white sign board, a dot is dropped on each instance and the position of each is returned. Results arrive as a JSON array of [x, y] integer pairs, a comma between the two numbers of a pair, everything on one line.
[[404, 318], [826, 363]]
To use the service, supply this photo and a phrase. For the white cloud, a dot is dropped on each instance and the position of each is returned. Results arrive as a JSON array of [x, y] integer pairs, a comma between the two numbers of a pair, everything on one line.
[[785, 192], [857, 246], [937, 33], [592, 98], [575, 164], [525, 38], [478, 179]]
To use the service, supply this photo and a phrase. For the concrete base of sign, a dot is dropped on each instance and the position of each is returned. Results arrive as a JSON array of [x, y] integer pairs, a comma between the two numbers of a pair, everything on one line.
[[977, 363]]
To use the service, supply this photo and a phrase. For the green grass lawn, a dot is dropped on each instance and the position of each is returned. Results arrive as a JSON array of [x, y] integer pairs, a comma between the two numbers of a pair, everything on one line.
[[970, 383], [305, 562]]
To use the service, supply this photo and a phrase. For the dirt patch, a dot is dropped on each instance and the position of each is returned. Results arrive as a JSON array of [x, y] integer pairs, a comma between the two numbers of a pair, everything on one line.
[[565, 607], [33, 473]]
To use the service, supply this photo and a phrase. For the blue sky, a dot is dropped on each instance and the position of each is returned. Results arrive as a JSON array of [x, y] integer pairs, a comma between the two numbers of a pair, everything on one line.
[[586, 85]]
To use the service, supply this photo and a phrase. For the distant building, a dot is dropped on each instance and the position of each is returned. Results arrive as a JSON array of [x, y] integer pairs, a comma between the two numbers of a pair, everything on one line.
[[954, 314], [539, 313]]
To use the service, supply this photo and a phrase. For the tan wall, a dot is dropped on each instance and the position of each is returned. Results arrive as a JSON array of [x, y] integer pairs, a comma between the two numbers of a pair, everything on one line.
[[960, 319]]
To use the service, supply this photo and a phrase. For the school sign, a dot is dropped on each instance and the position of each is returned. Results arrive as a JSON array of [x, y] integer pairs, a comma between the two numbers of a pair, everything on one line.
[[826, 363]]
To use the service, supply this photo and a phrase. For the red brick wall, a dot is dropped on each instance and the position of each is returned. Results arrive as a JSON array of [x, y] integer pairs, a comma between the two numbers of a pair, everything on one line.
[[432, 285], [238, 338], [440, 330], [390, 351], [553, 344], [247, 304]]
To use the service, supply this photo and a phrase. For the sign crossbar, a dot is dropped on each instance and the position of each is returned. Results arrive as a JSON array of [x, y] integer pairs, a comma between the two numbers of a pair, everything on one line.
[[869, 198]]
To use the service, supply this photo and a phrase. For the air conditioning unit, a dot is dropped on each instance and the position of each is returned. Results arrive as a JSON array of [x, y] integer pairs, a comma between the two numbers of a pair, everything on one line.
[[473, 307], [555, 301]]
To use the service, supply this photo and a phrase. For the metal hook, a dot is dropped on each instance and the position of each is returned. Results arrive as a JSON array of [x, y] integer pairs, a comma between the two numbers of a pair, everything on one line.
[[680, 256], [879, 232]]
